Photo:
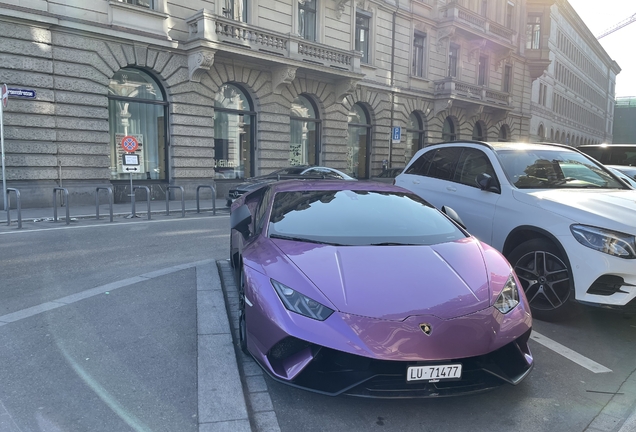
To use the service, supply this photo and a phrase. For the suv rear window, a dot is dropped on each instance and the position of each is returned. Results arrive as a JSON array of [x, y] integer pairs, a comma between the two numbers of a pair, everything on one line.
[[612, 155]]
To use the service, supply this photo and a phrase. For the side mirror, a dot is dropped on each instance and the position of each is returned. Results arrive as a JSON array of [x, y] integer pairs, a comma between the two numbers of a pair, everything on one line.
[[240, 220], [486, 183], [453, 215]]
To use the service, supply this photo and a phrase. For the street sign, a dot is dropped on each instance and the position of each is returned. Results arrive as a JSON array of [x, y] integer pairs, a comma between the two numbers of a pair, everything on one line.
[[22, 93], [4, 94], [129, 143], [131, 162], [396, 134]]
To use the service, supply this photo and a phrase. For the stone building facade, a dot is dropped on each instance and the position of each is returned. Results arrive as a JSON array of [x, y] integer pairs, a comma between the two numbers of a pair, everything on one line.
[[226, 89], [573, 96]]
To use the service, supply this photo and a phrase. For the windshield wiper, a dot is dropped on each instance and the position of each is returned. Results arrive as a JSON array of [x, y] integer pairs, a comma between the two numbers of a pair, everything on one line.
[[303, 239]]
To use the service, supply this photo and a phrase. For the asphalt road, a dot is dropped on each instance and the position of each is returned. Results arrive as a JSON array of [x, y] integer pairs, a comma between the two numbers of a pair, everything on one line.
[[121, 360], [559, 394], [101, 364]]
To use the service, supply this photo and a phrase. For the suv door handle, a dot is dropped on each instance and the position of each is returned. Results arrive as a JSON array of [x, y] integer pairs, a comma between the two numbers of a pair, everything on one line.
[[416, 182], [451, 189]]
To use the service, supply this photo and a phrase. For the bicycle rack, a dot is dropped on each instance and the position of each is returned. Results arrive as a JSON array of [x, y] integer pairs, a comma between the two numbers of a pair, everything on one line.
[[168, 200], [110, 200], [213, 189], [68, 214], [132, 199], [19, 204]]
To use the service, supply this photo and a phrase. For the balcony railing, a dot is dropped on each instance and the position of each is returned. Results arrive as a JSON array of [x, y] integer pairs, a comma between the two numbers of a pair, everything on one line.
[[452, 87], [206, 26], [476, 23]]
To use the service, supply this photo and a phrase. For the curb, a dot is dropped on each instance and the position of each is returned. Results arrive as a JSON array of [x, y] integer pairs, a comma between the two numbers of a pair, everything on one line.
[[221, 400], [260, 406]]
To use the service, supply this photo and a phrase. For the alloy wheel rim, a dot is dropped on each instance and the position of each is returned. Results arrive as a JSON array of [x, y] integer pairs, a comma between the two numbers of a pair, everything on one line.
[[545, 279]]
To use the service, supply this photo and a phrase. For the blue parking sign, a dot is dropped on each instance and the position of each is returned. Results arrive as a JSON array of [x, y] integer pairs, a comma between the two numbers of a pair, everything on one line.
[[396, 134]]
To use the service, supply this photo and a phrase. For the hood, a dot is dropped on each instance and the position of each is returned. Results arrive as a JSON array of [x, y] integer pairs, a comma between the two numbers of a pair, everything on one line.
[[611, 209], [394, 282]]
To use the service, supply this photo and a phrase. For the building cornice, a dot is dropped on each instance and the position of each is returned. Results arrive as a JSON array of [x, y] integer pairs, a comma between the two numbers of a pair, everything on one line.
[[26, 16]]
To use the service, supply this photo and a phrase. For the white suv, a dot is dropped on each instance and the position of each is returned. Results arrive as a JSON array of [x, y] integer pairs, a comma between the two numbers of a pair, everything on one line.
[[566, 224]]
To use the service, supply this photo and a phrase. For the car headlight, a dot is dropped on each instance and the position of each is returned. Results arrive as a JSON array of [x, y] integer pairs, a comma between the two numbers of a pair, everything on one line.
[[301, 304], [509, 297], [610, 242]]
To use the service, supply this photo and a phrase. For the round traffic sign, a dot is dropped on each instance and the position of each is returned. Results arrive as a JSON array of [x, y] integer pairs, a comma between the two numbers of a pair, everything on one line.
[[129, 143]]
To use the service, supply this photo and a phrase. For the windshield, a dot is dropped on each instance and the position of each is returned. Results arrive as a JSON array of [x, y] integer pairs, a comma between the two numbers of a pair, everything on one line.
[[554, 169], [354, 218]]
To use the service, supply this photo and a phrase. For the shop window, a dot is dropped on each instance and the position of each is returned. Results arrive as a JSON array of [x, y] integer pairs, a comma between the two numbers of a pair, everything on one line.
[[305, 133], [448, 131], [504, 133], [415, 136], [137, 108], [359, 142], [479, 131], [234, 124]]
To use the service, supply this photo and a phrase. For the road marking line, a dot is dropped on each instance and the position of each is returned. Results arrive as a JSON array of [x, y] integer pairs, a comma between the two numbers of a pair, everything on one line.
[[569, 354], [92, 292], [110, 224]]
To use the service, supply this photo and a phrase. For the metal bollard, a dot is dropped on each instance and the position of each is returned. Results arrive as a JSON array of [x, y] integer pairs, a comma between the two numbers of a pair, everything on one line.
[[19, 205], [168, 200], [68, 214], [213, 189], [110, 200], [147, 199]]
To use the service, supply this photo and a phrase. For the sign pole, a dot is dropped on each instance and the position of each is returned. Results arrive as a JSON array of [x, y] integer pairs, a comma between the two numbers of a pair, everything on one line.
[[4, 177]]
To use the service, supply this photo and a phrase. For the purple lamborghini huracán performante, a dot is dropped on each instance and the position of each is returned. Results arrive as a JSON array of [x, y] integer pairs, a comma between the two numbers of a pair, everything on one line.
[[365, 289]]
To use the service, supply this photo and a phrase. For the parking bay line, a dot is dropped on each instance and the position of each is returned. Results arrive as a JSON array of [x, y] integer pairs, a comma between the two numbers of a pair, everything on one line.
[[92, 292], [569, 354]]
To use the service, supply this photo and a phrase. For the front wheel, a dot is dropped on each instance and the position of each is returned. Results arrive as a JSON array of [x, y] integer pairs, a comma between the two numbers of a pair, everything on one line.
[[242, 321], [546, 279]]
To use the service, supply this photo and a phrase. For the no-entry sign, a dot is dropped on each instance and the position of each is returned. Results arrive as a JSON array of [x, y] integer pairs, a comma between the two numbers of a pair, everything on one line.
[[129, 143]]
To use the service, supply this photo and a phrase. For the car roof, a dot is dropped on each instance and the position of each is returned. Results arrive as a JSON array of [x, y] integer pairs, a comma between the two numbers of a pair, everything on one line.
[[509, 145], [606, 146], [327, 184]]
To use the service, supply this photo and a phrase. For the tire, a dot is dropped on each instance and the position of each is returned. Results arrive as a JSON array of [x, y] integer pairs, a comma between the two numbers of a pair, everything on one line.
[[546, 278], [242, 319]]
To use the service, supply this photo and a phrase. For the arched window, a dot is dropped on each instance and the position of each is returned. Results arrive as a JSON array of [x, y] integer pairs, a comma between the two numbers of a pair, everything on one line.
[[504, 133], [448, 131], [551, 135], [137, 108], [540, 133], [567, 140], [359, 143], [479, 131], [415, 135], [234, 122], [304, 145]]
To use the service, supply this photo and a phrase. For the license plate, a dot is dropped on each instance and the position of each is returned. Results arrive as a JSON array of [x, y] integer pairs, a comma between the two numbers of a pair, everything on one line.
[[434, 373]]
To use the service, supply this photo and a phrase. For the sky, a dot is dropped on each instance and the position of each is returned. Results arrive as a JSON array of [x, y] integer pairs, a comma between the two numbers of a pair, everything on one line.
[[600, 15]]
